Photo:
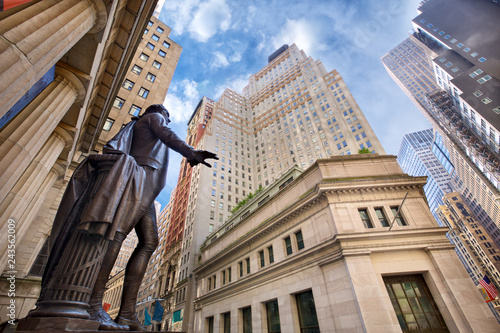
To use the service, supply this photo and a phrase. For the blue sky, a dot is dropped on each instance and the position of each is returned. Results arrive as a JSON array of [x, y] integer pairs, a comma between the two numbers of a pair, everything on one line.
[[224, 42]]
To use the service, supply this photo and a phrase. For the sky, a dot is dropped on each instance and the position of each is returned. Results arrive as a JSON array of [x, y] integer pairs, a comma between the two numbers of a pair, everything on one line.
[[226, 41]]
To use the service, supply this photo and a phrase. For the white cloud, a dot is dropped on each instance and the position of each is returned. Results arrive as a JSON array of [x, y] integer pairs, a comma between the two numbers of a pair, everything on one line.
[[181, 100], [220, 60], [179, 14], [306, 34], [236, 57], [250, 14], [209, 18], [236, 83]]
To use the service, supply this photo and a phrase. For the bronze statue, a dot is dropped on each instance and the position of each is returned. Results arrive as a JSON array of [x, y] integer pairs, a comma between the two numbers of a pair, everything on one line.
[[107, 197]]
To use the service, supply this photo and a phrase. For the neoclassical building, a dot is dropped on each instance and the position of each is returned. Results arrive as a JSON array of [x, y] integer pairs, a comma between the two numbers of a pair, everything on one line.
[[348, 245], [61, 65]]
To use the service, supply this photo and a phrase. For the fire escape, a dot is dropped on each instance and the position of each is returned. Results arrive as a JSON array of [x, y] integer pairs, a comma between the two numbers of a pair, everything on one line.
[[443, 110]]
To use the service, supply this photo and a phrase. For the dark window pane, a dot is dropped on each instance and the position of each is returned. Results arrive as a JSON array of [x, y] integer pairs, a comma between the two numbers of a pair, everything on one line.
[[247, 320], [273, 317], [288, 245], [227, 322], [307, 312], [300, 241]]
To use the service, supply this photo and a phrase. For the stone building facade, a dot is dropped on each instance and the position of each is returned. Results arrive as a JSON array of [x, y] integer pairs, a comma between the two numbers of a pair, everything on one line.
[[320, 254], [62, 64]]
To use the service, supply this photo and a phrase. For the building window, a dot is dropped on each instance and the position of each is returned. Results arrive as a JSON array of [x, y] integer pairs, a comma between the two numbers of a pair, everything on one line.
[[262, 260], [273, 317], [241, 268], [486, 100], [162, 53], [127, 84], [413, 303], [271, 254], [136, 69], [381, 217], [307, 312], [156, 64], [144, 57], [478, 93], [288, 245], [226, 322], [484, 79], [159, 29], [146, 31], [210, 324], [134, 110], [299, 239], [482, 59], [150, 23], [155, 38], [118, 103], [248, 265], [108, 124], [165, 44], [150, 46], [143, 92], [150, 77], [365, 218], [223, 274], [229, 274], [247, 319], [399, 217]]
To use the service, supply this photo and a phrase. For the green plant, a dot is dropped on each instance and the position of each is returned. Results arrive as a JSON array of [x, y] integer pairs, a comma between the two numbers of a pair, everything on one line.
[[364, 151]]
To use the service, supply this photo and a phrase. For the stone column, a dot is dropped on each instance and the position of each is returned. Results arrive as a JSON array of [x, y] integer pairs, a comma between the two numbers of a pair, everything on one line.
[[23, 195], [24, 136], [36, 235], [35, 38], [367, 291]]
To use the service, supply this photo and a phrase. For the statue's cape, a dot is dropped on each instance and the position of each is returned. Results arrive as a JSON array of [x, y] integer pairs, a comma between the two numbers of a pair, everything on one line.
[[115, 203]]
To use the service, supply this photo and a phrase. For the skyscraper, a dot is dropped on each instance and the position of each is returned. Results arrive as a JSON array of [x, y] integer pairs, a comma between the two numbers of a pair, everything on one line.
[[462, 49], [478, 252], [417, 159], [464, 45], [292, 112], [410, 67], [147, 79]]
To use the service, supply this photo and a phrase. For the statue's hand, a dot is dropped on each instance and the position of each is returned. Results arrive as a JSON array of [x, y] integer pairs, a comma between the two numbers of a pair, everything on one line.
[[200, 156]]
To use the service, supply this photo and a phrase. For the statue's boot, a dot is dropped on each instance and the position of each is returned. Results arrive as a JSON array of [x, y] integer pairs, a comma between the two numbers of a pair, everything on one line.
[[134, 273], [96, 311]]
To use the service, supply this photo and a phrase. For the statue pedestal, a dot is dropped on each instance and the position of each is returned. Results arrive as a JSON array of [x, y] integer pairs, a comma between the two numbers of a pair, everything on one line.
[[56, 325], [76, 260], [62, 325]]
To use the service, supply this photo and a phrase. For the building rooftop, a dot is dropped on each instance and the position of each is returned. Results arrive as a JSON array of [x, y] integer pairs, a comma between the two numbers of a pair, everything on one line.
[[469, 28]]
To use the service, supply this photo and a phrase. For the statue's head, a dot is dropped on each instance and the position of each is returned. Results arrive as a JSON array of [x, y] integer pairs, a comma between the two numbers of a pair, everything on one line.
[[158, 108]]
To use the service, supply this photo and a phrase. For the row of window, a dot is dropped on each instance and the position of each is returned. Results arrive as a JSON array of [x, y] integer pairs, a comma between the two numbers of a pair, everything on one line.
[[265, 257], [367, 217], [304, 303]]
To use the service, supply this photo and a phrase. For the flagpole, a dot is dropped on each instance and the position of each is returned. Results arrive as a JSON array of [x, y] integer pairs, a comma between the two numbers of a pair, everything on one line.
[[397, 212]]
